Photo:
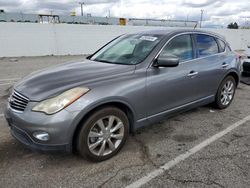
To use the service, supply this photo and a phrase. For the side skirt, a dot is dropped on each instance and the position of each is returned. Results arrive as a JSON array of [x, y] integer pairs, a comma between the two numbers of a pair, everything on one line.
[[172, 112]]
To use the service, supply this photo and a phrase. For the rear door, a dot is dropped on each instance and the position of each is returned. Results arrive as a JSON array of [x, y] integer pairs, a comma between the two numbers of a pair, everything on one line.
[[210, 64]]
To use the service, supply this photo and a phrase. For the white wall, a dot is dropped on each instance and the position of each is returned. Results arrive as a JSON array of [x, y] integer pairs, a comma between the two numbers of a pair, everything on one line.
[[31, 39]]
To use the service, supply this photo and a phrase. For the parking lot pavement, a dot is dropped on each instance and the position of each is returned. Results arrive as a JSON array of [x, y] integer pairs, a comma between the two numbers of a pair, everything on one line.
[[224, 163]]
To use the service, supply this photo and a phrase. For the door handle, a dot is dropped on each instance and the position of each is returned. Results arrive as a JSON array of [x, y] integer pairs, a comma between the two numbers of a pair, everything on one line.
[[192, 74], [225, 65]]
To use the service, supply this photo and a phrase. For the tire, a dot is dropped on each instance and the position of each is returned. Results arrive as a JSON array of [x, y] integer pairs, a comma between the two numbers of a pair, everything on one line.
[[97, 130], [225, 91]]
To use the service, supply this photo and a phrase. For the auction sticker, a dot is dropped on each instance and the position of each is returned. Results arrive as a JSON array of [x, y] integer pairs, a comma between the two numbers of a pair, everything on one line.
[[148, 38]]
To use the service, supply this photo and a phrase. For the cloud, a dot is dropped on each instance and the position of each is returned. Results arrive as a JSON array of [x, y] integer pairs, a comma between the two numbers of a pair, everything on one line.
[[10, 3], [199, 4], [100, 1], [54, 5], [216, 12]]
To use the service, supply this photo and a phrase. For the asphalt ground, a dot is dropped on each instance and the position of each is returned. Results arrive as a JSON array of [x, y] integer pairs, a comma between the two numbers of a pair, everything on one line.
[[225, 162]]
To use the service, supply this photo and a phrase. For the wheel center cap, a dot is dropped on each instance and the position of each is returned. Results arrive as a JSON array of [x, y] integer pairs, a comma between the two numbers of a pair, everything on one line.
[[106, 135]]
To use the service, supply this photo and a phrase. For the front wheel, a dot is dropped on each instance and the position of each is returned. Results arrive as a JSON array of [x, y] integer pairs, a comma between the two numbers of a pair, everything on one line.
[[103, 134], [225, 93]]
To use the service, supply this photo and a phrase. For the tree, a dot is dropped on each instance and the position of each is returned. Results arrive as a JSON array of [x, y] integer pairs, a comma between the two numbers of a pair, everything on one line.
[[233, 26]]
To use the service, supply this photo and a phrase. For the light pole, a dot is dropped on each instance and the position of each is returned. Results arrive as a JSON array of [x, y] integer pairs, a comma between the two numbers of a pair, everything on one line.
[[81, 3], [201, 17]]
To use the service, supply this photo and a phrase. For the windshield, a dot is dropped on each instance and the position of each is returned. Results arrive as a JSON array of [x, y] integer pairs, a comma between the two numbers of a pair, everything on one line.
[[128, 49]]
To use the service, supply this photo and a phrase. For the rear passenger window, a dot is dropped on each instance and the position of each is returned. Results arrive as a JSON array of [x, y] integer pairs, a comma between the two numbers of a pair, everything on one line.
[[180, 46], [206, 45], [222, 45]]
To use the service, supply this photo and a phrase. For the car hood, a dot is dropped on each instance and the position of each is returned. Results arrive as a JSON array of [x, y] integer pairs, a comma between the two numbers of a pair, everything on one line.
[[49, 82]]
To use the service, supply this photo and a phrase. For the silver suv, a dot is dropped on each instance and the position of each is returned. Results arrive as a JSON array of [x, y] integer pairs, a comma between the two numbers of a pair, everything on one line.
[[134, 80]]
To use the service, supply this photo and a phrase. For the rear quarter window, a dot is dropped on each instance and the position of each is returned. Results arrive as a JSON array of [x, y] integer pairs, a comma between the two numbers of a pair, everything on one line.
[[228, 48], [222, 45], [206, 45]]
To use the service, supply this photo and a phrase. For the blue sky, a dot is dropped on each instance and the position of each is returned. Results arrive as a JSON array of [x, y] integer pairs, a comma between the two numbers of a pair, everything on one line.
[[217, 13]]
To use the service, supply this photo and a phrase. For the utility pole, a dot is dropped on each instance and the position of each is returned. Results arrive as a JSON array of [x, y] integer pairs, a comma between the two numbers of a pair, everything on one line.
[[81, 3], [201, 17]]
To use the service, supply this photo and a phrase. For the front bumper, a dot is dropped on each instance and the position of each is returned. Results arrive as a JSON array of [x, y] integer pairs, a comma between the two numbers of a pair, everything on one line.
[[25, 139], [59, 126]]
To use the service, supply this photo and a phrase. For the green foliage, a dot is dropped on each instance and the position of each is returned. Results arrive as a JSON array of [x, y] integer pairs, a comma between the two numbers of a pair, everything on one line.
[[233, 26]]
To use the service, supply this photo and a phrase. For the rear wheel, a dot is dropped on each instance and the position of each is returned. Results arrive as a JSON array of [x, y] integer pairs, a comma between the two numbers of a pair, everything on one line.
[[103, 134], [225, 93]]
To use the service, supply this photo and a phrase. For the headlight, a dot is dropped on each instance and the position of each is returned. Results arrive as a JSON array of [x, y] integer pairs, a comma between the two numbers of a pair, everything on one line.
[[55, 104]]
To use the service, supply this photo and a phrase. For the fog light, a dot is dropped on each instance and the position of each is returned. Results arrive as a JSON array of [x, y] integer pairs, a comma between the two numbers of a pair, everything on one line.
[[43, 136]]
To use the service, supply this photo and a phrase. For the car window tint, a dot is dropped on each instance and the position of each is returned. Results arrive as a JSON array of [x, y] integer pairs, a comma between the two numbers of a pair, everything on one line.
[[206, 45], [222, 45], [180, 46]]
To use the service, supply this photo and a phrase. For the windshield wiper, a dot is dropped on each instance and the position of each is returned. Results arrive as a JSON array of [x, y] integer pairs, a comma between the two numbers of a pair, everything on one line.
[[104, 61], [110, 62]]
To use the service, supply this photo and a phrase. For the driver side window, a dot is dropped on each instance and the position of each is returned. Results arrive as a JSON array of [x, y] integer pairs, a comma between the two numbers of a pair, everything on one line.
[[181, 47]]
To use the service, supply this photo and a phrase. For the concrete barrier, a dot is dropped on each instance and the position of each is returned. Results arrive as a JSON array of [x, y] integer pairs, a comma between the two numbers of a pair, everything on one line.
[[33, 39]]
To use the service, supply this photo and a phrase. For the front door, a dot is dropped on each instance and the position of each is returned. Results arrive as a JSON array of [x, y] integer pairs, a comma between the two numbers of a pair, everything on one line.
[[171, 87]]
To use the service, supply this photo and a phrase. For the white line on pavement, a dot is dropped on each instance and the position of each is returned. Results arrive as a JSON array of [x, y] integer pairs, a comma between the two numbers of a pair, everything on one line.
[[182, 157], [1, 115], [6, 84], [9, 79]]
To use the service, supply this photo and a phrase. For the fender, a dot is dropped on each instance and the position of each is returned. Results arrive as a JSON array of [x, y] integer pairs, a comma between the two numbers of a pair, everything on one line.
[[230, 71], [99, 103]]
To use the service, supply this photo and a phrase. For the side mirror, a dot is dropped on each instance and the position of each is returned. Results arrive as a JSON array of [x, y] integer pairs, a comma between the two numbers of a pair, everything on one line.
[[167, 61]]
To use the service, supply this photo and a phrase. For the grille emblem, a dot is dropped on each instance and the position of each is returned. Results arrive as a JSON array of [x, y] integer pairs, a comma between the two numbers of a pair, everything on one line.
[[11, 99]]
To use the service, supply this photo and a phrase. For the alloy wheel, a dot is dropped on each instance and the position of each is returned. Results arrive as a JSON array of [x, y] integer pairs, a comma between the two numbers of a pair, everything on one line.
[[227, 93], [105, 136]]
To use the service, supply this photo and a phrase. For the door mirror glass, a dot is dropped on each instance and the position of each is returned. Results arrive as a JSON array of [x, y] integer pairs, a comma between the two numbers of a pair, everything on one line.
[[167, 61]]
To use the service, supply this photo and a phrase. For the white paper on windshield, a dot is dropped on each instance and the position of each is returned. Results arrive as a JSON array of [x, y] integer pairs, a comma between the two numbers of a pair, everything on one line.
[[148, 38]]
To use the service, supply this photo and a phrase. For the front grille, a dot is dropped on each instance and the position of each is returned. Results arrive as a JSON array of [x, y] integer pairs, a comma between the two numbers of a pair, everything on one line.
[[17, 101]]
